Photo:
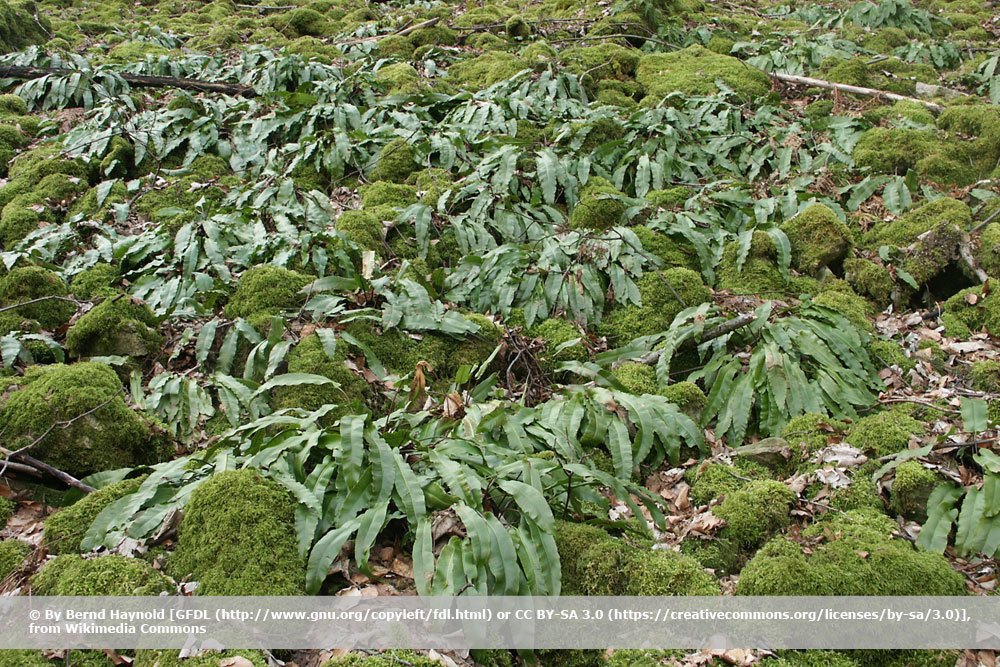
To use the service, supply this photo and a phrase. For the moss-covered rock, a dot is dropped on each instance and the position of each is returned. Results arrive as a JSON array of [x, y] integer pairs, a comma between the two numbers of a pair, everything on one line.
[[664, 294], [930, 234], [886, 353], [98, 280], [870, 280], [884, 433], [759, 273], [989, 249], [600, 206], [855, 309], [395, 162], [361, 227], [857, 556], [755, 512], [65, 529], [714, 480], [12, 554], [595, 563], [119, 325], [910, 490], [971, 311], [893, 150], [667, 249], [636, 378], [818, 238], [399, 79], [555, 333], [238, 537], [106, 575], [603, 61], [267, 289], [384, 193], [483, 71], [809, 433], [111, 435], [309, 356], [695, 70], [25, 284], [687, 396], [21, 25]]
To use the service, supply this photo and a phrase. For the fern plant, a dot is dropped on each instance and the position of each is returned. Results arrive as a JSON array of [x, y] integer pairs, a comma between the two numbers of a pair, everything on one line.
[[973, 512]]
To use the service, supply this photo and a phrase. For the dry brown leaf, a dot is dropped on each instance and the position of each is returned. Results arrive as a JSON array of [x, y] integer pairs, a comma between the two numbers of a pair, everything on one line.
[[235, 661]]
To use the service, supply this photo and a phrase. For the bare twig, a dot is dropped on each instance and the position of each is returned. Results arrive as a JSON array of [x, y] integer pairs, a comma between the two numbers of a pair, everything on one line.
[[65, 478], [855, 90], [38, 300]]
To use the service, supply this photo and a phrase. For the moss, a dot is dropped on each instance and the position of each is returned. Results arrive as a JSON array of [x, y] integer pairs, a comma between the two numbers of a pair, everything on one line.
[[12, 104], [857, 556], [818, 238], [670, 251], [870, 280], [399, 79], [555, 332], [659, 292], [431, 184], [595, 563], [886, 352], [396, 161], [383, 193], [893, 151], [118, 325], [88, 206], [362, 228], [862, 494], [386, 659], [112, 436], [34, 282], [107, 575], [615, 98], [267, 289], [437, 35], [301, 22], [7, 508], [669, 198], [713, 480], [238, 537], [517, 28], [395, 46], [473, 350], [200, 186], [132, 52], [12, 554], [930, 234], [95, 281], [759, 274], [149, 658], [809, 659], [600, 206], [604, 61], [310, 357], [970, 311], [985, 376], [65, 529], [21, 26], [884, 433], [687, 396], [695, 70], [45, 160], [485, 70], [851, 306], [19, 658], [755, 512], [989, 249], [810, 432], [636, 378], [910, 490]]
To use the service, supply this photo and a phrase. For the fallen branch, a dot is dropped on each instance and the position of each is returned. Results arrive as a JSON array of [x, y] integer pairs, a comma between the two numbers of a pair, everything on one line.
[[854, 90], [63, 477], [399, 33], [39, 299], [972, 266], [716, 332], [134, 80]]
